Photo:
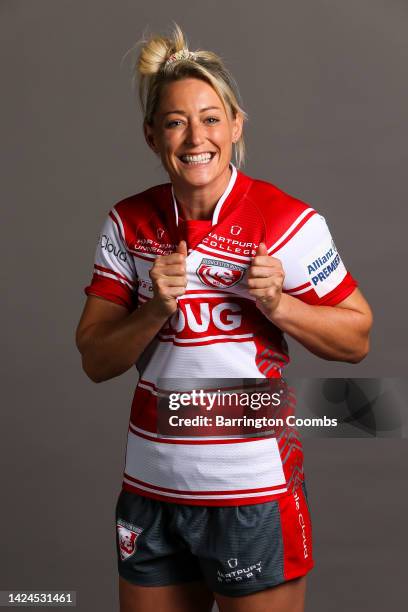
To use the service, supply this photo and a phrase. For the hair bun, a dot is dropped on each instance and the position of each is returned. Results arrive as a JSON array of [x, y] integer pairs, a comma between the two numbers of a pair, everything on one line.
[[157, 50]]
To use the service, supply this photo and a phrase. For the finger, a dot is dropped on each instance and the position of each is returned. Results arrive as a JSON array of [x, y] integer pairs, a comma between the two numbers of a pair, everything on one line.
[[171, 281], [262, 250], [172, 270], [264, 294], [174, 292], [265, 272], [262, 260], [182, 248], [262, 283], [165, 260], [179, 291]]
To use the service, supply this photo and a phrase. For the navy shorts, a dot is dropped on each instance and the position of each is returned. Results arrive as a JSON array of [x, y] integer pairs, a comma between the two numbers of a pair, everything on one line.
[[235, 550]]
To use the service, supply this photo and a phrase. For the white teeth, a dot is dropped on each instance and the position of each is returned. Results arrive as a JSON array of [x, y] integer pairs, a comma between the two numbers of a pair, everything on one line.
[[197, 159]]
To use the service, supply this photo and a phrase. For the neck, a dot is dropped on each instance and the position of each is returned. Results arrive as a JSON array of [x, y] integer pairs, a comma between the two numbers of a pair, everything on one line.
[[199, 202]]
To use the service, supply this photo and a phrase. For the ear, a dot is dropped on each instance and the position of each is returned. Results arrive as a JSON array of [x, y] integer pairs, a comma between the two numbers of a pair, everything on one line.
[[149, 136], [237, 127]]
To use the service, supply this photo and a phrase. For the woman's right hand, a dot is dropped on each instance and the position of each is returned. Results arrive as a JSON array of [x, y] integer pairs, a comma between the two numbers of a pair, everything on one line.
[[110, 339], [169, 280]]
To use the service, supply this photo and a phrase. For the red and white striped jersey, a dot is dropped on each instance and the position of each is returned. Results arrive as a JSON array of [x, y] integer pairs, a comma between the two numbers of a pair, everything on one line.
[[217, 330]]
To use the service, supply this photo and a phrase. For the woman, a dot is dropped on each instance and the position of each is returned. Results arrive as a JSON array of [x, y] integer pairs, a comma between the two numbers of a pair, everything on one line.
[[201, 277]]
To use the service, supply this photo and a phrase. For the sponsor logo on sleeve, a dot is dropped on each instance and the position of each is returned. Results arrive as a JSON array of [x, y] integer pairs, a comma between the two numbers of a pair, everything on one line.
[[324, 268], [127, 536], [107, 244], [217, 273]]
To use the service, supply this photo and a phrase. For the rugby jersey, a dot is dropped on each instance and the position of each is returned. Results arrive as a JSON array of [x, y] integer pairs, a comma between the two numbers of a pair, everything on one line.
[[217, 331]]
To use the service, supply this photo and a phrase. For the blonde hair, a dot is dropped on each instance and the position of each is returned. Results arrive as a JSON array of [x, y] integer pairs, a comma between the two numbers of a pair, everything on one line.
[[152, 71]]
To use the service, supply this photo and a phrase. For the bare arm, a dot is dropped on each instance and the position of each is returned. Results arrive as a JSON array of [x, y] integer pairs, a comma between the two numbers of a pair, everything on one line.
[[338, 332], [110, 339]]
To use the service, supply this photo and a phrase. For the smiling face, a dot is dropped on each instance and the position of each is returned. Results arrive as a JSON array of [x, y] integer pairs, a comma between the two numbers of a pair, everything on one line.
[[193, 134]]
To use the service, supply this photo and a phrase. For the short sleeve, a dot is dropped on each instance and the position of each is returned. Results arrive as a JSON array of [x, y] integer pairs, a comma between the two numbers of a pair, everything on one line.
[[314, 270], [114, 275]]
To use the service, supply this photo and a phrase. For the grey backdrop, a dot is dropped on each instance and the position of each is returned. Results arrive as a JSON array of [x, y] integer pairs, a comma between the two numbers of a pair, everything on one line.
[[324, 83]]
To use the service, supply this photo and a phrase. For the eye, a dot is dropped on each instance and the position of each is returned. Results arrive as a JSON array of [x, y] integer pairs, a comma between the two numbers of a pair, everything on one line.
[[212, 120], [173, 123]]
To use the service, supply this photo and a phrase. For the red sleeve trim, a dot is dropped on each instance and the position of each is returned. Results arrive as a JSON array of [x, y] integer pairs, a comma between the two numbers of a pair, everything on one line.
[[341, 292], [110, 271], [337, 295], [299, 288], [113, 291]]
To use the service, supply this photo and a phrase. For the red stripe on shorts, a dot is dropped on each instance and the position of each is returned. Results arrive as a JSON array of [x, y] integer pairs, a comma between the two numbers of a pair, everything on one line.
[[297, 535]]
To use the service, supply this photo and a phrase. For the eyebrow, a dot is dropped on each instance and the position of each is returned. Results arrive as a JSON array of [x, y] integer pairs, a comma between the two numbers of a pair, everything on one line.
[[181, 112]]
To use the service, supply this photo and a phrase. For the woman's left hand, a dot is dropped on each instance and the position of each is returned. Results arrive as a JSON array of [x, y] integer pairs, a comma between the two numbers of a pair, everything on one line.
[[265, 280]]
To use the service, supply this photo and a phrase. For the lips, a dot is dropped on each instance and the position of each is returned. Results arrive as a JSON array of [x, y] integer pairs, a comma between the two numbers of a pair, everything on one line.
[[196, 159]]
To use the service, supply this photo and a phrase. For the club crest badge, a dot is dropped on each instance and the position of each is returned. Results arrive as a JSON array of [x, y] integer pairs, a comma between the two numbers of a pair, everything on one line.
[[235, 230], [127, 536], [216, 273]]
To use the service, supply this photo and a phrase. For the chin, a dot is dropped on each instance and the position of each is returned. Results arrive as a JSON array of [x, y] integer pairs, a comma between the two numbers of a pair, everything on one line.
[[199, 184], [195, 177]]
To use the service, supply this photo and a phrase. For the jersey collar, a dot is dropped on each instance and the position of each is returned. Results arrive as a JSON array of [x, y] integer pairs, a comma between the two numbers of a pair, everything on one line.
[[219, 205]]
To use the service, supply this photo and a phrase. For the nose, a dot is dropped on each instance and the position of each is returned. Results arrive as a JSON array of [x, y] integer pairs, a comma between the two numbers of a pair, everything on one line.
[[195, 133]]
